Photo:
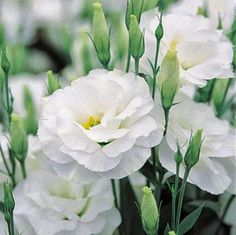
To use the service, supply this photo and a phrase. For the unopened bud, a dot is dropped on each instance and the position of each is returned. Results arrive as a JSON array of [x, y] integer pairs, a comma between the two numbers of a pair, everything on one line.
[[30, 120], [219, 93], [168, 78], [159, 30], [149, 211], [178, 156], [172, 233], [5, 62], [19, 141], [192, 154], [9, 203], [53, 83], [101, 37], [136, 38]]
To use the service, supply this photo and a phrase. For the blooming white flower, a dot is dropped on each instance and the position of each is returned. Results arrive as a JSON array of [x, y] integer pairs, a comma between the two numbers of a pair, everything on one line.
[[49, 204], [102, 122], [36, 85], [203, 53], [184, 120], [223, 10]]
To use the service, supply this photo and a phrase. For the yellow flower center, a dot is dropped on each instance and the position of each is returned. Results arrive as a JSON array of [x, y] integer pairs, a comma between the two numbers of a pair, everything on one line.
[[173, 45], [92, 121]]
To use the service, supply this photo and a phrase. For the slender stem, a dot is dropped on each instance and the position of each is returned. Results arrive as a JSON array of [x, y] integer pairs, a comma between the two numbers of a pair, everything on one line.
[[128, 59], [166, 112], [23, 169], [9, 227], [156, 56], [12, 225], [114, 193], [136, 62], [181, 198], [174, 195]]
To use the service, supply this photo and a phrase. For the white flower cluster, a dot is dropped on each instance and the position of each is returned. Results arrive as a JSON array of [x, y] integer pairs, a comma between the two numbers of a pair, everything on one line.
[[106, 125]]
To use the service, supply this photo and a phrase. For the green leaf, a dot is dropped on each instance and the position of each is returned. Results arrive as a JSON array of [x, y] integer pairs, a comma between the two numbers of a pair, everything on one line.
[[167, 229], [189, 221]]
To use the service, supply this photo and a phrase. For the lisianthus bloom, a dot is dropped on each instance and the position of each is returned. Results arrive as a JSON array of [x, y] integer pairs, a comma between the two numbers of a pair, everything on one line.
[[49, 204], [185, 119], [203, 53], [102, 123], [218, 11]]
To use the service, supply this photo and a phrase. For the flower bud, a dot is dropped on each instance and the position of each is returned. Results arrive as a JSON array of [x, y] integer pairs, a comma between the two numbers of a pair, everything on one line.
[[172, 233], [136, 38], [192, 154], [219, 93], [9, 203], [5, 62], [19, 141], [53, 83], [30, 120], [134, 7], [149, 211], [101, 37], [159, 30], [168, 78], [178, 156]]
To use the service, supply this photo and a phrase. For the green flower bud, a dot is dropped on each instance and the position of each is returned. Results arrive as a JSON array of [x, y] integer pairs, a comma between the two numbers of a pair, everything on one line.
[[53, 83], [136, 38], [219, 93], [149, 4], [192, 154], [149, 211], [178, 156], [5, 62], [134, 7], [19, 141], [172, 233], [9, 203], [168, 78], [159, 30], [101, 37], [30, 120]]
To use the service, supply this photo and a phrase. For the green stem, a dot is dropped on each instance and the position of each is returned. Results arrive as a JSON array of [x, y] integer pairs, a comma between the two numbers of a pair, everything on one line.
[[174, 195], [136, 61], [114, 193], [166, 112], [128, 59], [12, 225], [181, 198], [157, 54], [23, 169]]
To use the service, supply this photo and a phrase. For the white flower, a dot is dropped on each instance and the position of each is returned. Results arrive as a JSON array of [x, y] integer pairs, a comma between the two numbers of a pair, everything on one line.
[[36, 85], [216, 9], [102, 123], [203, 53], [49, 204], [3, 225], [184, 120]]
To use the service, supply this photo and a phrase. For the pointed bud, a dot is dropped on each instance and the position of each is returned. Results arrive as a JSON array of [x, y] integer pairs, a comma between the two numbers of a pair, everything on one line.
[[53, 83], [5, 62], [219, 93], [159, 30], [30, 120], [9, 203], [168, 78], [149, 211], [19, 141], [178, 156], [136, 38], [192, 154], [101, 37]]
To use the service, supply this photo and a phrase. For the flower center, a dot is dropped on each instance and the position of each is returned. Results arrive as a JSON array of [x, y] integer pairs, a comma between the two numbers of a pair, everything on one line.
[[173, 45], [92, 121]]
